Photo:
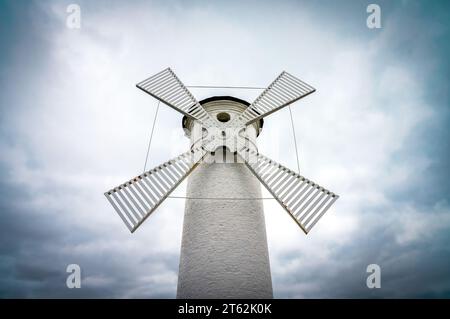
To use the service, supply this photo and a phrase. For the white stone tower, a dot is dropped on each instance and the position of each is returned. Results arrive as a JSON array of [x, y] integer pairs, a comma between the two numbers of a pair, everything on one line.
[[224, 247]]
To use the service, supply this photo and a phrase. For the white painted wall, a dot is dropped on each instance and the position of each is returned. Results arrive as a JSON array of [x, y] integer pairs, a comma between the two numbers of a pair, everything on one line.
[[224, 250]]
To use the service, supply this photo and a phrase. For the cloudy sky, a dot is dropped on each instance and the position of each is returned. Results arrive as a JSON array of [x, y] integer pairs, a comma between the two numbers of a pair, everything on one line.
[[376, 132]]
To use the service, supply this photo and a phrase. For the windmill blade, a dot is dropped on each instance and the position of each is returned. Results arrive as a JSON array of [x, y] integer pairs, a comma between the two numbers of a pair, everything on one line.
[[284, 90], [167, 88], [305, 201], [137, 198]]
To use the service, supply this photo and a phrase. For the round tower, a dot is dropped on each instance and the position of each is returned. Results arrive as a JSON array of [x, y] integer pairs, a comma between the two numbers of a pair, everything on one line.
[[224, 250]]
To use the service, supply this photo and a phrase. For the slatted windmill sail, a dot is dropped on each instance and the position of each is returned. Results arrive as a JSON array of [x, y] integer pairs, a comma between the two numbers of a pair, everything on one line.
[[224, 248]]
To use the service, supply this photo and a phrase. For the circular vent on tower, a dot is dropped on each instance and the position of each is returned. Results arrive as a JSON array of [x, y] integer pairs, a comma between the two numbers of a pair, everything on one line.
[[223, 117]]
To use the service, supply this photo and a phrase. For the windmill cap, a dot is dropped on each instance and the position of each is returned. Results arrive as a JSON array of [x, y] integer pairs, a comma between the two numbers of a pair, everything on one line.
[[239, 106]]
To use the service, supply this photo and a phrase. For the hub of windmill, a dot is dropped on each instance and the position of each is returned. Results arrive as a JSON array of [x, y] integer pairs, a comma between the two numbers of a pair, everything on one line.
[[228, 132]]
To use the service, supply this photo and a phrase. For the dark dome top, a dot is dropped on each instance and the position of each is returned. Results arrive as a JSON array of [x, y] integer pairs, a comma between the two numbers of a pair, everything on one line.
[[220, 98]]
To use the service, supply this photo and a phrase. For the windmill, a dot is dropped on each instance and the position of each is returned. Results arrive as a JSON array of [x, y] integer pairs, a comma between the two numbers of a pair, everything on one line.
[[224, 248]]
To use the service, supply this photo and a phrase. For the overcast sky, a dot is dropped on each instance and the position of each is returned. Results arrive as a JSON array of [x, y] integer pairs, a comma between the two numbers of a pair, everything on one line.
[[376, 132]]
